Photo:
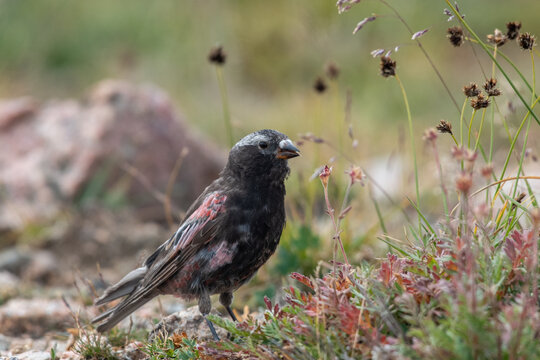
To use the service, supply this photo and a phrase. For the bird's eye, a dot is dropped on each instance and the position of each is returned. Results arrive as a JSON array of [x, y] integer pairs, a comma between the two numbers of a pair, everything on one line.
[[263, 144]]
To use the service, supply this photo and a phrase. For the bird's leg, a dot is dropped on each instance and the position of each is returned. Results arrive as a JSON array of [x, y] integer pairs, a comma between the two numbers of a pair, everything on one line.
[[205, 305], [226, 300]]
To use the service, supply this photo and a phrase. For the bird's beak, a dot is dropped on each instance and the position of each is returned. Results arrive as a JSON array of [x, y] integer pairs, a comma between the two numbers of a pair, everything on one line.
[[287, 150]]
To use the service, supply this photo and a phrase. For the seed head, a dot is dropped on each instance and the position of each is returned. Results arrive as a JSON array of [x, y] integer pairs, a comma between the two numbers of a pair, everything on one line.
[[430, 135], [320, 85], [471, 90], [526, 41], [444, 127], [388, 67], [535, 216], [470, 155], [332, 71], [486, 171], [458, 152], [356, 175], [513, 29], [455, 35], [480, 102], [491, 87], [464, 182], [497, 38], [217, 56], [324, 175]]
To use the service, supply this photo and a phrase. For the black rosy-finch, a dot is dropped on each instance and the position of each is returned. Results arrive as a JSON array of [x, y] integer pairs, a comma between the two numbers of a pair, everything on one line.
[[228, 233]]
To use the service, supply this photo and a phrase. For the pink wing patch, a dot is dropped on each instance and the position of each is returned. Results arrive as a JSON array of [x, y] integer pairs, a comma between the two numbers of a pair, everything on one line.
[[212, 205]]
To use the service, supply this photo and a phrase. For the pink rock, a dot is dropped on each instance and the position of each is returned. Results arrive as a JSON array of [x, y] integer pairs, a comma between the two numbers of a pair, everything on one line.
[[51, 155]]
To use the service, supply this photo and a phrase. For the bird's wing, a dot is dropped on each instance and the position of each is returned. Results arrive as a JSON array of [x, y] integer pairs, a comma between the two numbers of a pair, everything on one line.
[[200, 227]]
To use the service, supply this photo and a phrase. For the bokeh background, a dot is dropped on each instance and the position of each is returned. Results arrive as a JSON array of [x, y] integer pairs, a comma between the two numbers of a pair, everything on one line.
[[275, 52]]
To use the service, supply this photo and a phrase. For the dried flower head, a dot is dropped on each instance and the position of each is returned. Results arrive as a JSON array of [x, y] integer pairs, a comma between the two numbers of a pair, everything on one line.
[[455, 35], [526, 41], [491, 87], [497, 38], [217, 56], [471, 90], [464, 182], [444, 127], [356, 175], [512, 29], [480, 102], [320, 85], [535, 216], [430, 135], [332, 70], [458, 152], [324, 174], [470, 155], [486, 171], [388, 67]]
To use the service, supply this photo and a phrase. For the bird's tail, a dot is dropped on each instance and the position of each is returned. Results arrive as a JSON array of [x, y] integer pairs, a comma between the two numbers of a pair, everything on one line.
[[124, 287]]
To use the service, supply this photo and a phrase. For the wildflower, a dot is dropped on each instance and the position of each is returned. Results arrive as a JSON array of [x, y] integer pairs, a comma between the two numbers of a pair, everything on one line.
[[480, 102], [388, 67], [469, 155], [458, 152], [444, 127], [356, 175], [497, 38], [471, 90], [526, 41], [464, 182], [486, 171], [513, 30], [320, 85], [430, 135], [377, 52], [324, 175], [332, 71], [455, 34], [490, 87]]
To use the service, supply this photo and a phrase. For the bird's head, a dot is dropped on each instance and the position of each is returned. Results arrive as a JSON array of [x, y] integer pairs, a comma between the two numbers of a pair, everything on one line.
[[262, 152]]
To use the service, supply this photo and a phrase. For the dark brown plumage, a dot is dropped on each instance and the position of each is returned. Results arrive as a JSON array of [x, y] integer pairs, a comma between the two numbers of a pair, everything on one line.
[[229, 232]]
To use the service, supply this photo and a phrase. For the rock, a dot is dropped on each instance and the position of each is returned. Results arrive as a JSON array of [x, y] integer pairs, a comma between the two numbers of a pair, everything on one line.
[[121, 144], [34, 317], [33, 355], [42, 268], [5, 343], [70, 355], [8, 286], [133, 351], [14, 260], [190, 321]]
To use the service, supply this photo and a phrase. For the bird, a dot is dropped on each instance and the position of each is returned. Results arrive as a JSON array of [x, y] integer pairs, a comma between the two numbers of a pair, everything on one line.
[[227, 234]]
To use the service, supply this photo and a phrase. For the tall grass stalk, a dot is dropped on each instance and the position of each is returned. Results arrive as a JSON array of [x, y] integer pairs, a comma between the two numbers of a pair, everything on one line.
[[413, 143], [486, 49], [225, 104]]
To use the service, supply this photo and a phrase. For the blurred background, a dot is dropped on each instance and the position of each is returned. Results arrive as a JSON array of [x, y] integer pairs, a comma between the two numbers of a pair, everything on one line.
[[119, 177]]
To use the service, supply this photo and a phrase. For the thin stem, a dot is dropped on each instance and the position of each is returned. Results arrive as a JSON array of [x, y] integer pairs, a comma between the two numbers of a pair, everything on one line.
[[423, 51], [461, 121], [514, 140], [225, 103], [470, 127], [411, 134], [480, 129], [486, 49]]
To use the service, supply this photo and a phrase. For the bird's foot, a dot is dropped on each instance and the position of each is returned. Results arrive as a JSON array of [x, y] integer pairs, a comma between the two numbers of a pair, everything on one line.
[[212, 329], [231, 313]]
